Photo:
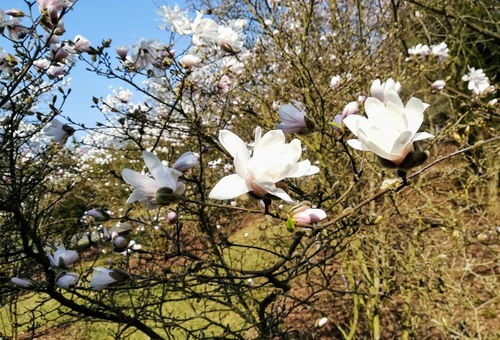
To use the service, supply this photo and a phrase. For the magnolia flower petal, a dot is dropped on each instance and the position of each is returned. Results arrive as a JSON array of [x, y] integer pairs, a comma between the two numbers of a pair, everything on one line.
[[354, 122], [136, 179], [154, 165], [269, 141], [415, 114], [392, 96], [234, 145], [422, 135], [229, 187], [376, 144], [271, 188], [373, 108], [402, 145], [357, 144]]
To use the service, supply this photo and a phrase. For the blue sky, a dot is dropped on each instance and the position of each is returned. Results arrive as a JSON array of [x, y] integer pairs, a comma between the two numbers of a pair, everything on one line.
[[124, 21]]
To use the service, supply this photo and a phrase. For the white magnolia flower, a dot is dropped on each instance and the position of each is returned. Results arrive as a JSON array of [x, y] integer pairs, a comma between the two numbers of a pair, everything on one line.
[[157, 191], [202, 29], [104, 278], [321, 322], [67, 280], [272, 160], [379, 90], [186, 161], [419, 49], [294, 119], [176, 18], [59, 131], [231, 38], [438, 84], [440, 51], [390, 129], [63, 257], [478, 82]]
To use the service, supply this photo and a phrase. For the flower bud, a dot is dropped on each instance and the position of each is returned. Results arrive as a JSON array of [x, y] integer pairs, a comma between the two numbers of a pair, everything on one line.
[[350, 109], [120, 243], [438, 85], [26, 284], [67, 280], [172, 217], [186, 161], [104, 278]]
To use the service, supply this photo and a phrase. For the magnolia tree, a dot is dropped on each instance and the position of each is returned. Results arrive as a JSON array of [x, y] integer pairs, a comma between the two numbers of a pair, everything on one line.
[[281, 175]]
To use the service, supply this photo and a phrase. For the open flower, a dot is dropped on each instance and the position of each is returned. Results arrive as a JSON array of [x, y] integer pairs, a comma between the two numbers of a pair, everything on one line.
[[104, 278], [294, 120], [478, 82], [63, 257], [160, 190], [272, 161], [59, 131], [390, 129]]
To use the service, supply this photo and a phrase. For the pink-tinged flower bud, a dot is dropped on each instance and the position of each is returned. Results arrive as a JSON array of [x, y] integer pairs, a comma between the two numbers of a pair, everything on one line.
[[350, 109], [172, 217], [26, 284], [186, 161], [438, 85], [120, 242], [122, 52], [309, 216], [82, 44], [67, 280]]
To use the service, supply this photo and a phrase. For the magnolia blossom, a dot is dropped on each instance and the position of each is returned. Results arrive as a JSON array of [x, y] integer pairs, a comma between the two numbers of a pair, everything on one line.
[[272, 160], [379, 90], [478, 82], [294, 120], [104, 278], [160, 190], [335, 81], [176, 18], [440, 51], [202, 29], [438, 84], [350, 109], [390, 129], [24, 283], [230, 38], [307, 216], [190, 60], [67, 280], [186, 161], [419, 49], [82, 44], [172, 217], [63, 257], [59, 131]]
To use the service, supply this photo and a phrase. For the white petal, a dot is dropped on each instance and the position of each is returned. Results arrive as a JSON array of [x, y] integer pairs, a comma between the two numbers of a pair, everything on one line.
[[353, 122], [234, 144], [154, 164], [229, 187], [421, 136], [373, 108], [270, 140], [414, 114]]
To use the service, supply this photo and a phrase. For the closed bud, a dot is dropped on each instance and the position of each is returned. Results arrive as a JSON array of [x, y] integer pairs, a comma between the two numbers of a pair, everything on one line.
[[172, 217], [25, 284], [120, 243]]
